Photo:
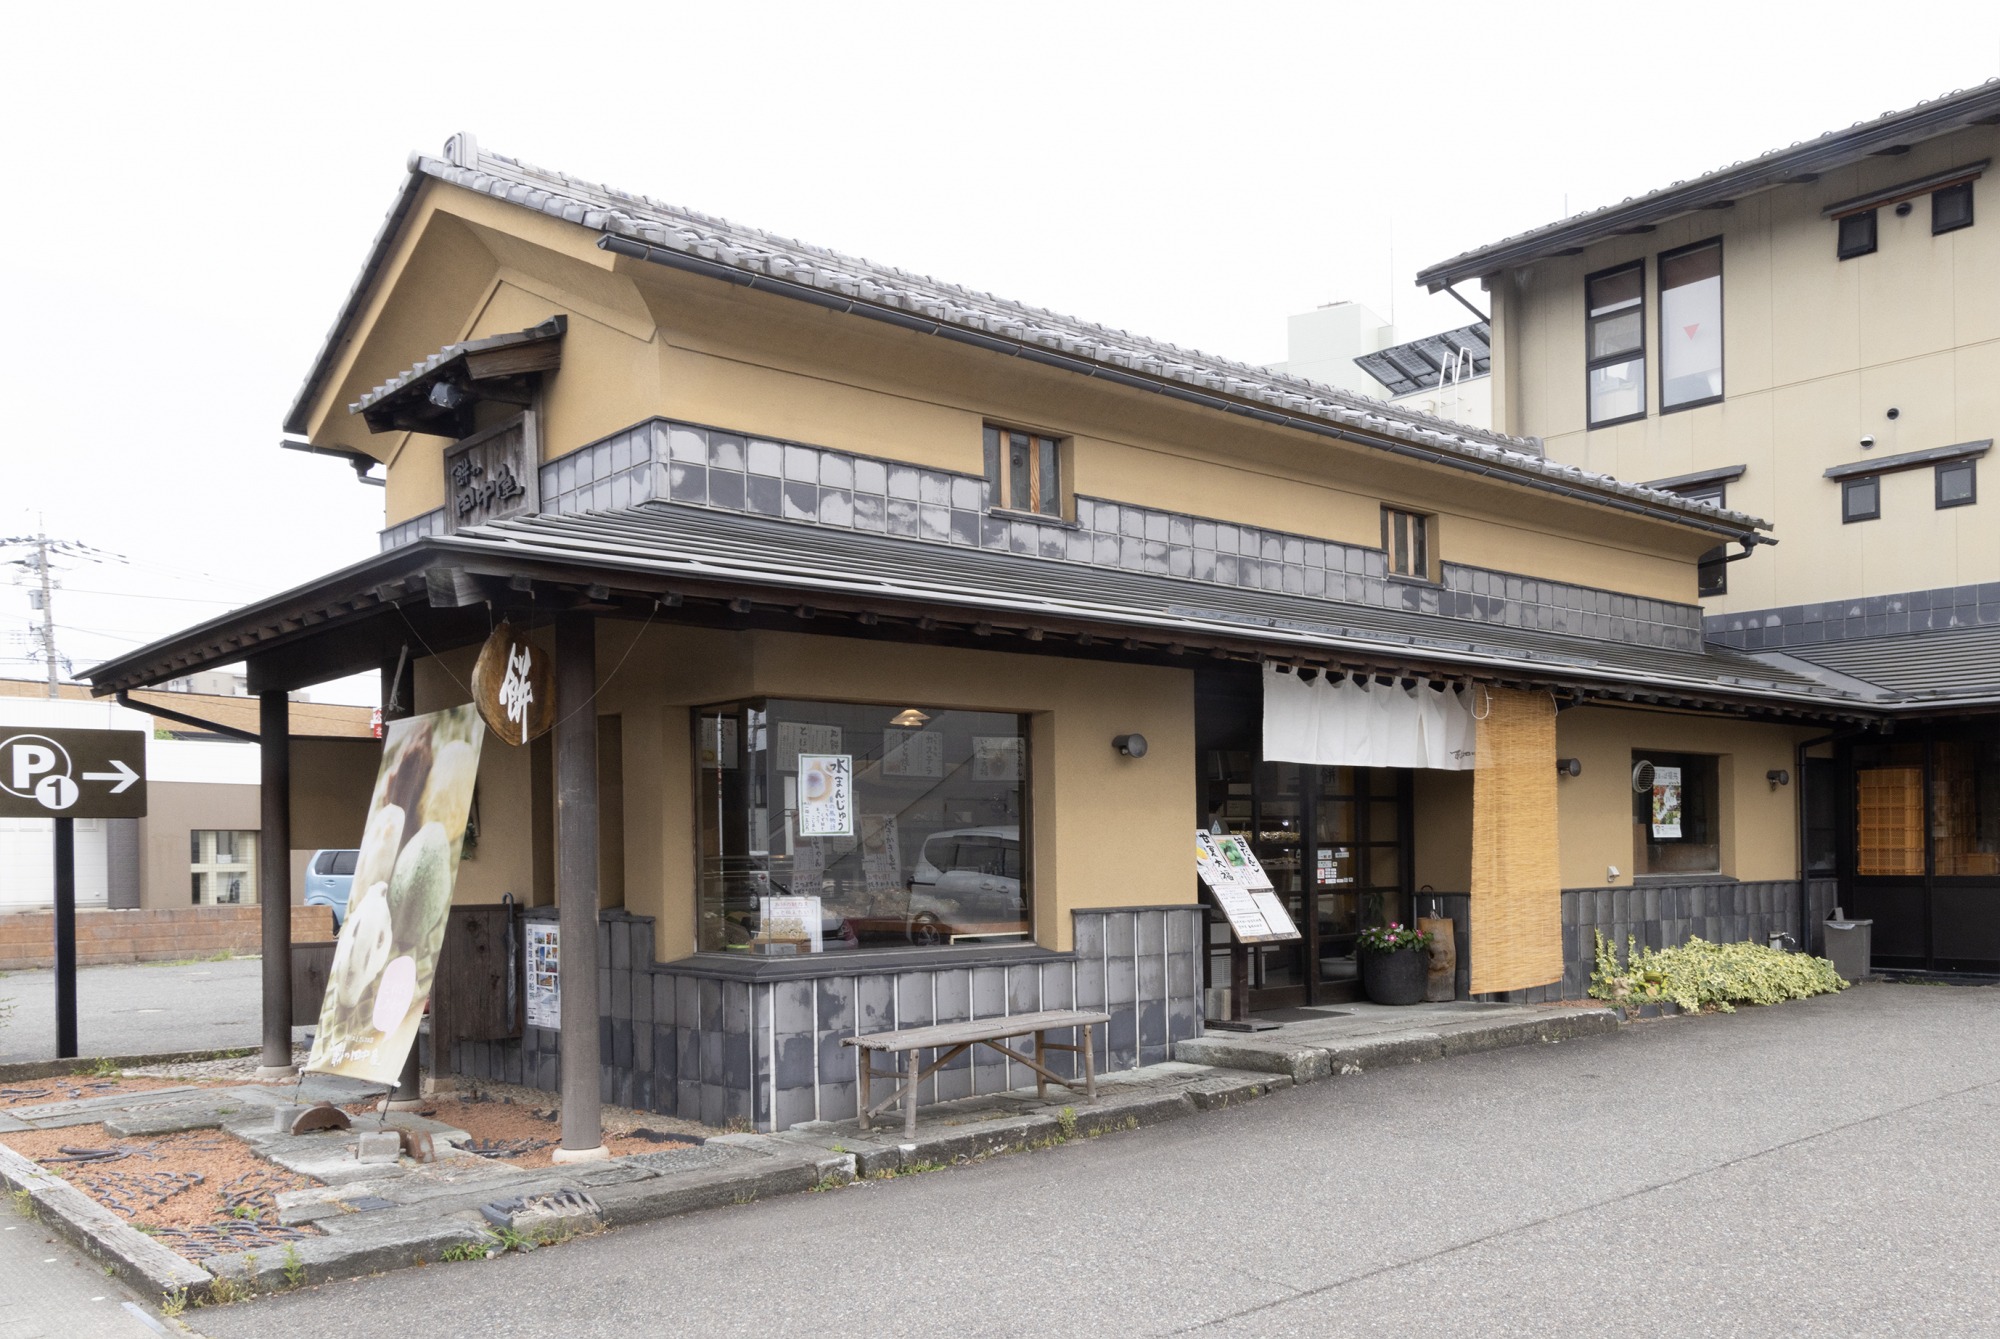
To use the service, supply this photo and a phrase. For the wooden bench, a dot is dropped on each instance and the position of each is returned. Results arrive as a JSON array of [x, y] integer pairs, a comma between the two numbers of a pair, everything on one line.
[[954, 1039]]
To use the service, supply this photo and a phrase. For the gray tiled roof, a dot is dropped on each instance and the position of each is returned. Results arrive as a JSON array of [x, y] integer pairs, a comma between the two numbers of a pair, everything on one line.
[[1775, 167], [753, 252], [1956, 664], [666, 538], [552, 328]]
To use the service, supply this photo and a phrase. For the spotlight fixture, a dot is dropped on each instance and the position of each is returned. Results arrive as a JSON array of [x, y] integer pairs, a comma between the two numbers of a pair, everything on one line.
[[1569, 766], [1132, 746], [1778, 776]]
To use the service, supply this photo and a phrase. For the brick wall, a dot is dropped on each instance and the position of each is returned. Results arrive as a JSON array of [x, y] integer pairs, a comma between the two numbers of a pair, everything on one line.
[[27, 939]]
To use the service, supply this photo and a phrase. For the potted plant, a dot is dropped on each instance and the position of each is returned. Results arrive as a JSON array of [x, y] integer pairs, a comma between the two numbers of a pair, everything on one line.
[[1394, 963]]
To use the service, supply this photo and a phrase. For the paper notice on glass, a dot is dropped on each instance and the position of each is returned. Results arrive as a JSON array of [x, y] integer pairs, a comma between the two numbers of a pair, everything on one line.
[[718, 743], [544, 999], [881, 854], [1666, 801], [918, 753], [997, 757], [826, 795], [797, 737], [790, 920], [808, 866]]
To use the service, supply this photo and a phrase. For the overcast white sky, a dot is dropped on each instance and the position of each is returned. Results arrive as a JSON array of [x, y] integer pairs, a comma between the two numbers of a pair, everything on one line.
[[191, 189]]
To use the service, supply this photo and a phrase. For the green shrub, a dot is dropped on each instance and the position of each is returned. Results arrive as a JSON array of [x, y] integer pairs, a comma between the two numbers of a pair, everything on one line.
[[1699, 975]]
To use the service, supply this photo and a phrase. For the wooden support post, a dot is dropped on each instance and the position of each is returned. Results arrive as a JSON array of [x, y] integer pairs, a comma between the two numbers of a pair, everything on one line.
[[274, 879], [576, 885]]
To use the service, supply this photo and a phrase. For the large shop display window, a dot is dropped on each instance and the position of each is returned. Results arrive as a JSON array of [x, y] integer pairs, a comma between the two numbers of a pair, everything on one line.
[[827, 826]]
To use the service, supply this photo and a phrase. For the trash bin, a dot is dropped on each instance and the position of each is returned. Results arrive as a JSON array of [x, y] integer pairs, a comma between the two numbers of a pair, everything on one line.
[[1848, 943]]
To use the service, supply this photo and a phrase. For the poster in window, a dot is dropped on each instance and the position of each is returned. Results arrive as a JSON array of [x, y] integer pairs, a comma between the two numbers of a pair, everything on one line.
[[916, 753], [881, 854], [997, 757], [1666, 802], [826, 795], [544, 954], [718, 743], [790, 920], [799, 737], [1226, 866]]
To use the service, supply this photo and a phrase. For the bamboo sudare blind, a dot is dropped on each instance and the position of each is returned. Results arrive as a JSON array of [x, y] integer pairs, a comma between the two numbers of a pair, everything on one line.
[[1516, 905], [1889, 821]]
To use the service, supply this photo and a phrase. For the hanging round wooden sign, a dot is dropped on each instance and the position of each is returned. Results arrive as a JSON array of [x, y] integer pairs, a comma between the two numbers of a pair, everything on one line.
[[514, 686]]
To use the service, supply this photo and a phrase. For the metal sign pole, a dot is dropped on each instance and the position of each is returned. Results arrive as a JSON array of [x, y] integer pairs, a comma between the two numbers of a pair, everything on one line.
[[65, 938]]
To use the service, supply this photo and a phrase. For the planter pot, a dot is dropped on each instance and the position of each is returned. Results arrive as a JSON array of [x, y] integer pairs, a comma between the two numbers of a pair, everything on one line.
[[1397, 977]]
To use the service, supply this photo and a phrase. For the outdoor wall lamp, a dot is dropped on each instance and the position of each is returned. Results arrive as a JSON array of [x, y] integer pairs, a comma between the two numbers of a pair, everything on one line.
[[1131, 746], [1569, 766], [1778, 776]]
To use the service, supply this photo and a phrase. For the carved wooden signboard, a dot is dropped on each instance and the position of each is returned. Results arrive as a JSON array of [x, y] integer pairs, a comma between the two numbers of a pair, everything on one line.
[[514, 685], [493, 474]]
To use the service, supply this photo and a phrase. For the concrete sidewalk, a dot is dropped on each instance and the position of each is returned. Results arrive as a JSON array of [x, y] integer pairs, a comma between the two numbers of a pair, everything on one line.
[[145, 1008], [366, 1217]]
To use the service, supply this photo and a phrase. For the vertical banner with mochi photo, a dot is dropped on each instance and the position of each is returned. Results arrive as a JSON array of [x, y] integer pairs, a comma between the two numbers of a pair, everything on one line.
[[386, 957]]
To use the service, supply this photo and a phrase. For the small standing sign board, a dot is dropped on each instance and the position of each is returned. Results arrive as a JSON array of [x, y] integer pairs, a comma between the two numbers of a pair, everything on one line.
[[1233, 876], [66, 775]]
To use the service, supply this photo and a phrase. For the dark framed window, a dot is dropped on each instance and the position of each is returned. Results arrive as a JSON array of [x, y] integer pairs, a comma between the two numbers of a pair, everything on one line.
[[1024, 471], [1615, 344], [1676, 826], [1951, 208], [825, 826], [1957, 483], [1861, 499], [1406, 538], [1691, 326], [1857, 235]]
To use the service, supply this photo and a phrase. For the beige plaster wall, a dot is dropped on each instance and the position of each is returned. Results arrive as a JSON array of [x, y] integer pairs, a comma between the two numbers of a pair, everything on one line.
[[1816, 351], [1759, 822], [1442, 818]]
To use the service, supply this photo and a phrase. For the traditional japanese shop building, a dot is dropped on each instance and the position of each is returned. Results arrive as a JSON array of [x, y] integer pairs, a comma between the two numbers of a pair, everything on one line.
[[959, 617]]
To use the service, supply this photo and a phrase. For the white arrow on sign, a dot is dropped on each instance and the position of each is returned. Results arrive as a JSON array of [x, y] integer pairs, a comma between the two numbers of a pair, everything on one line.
[[124, 776]]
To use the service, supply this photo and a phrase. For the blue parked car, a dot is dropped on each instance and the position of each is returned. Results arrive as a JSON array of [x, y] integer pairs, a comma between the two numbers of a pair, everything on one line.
[[329, 880]]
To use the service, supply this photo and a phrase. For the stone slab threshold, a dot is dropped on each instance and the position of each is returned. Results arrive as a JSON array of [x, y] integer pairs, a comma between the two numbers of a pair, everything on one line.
[[375, 1217]]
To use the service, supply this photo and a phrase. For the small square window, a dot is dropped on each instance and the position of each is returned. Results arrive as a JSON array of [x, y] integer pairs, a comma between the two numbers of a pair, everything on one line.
[[1857, 235], [1951, 208], [1957, 484], [1406, 536], [1023, 471], [1861, 499]]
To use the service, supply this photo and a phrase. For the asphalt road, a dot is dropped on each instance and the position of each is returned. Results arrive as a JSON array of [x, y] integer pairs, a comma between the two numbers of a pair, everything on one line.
[[146, 1008], [1821, 1168]]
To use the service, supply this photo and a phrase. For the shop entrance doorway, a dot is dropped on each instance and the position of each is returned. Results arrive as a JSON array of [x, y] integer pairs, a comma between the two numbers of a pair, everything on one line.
[[1336, 843]]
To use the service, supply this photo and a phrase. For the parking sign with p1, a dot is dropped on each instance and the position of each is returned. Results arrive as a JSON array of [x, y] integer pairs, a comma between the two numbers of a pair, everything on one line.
[[72, 774]]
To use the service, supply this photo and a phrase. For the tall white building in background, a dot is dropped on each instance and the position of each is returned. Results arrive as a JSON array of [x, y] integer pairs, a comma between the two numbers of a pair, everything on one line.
[[1345, 344]]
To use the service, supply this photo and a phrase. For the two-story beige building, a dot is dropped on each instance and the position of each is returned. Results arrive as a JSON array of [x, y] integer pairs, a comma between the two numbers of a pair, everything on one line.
[[1042, 598], [1813, 335]]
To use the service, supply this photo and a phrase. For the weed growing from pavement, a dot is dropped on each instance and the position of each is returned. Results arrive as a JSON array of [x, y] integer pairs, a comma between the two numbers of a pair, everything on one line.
[[1066, 1123], [295, 1267], [174, 1303], [465, 1251], [24, 1202], [102, 1069]]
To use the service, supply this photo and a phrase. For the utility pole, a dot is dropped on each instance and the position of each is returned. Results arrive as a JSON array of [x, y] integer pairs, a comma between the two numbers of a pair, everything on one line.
[[40, 562], [48, 614]]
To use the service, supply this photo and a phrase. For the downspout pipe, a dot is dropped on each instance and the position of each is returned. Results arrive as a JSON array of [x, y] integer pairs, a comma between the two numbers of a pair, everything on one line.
[[624, 246]]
